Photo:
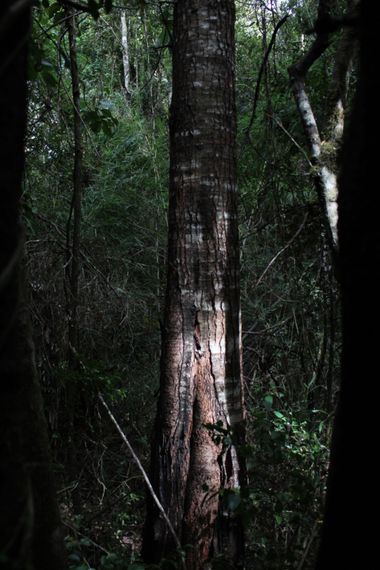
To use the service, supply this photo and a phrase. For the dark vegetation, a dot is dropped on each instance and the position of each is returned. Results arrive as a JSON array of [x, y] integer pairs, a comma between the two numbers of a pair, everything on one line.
[[290, 292]]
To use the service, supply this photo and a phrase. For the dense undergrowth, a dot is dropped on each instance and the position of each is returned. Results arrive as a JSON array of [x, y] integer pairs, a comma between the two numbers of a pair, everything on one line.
[[289, 296]]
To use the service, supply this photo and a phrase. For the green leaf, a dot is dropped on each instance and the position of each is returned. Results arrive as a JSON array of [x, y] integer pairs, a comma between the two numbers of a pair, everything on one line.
[[54, 8], [276, 435], [279, 415], [218, 427], [268, 401]]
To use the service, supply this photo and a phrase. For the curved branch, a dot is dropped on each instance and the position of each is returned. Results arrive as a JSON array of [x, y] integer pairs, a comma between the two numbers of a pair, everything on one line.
[[261, 71], [143, 472], [324, 175]]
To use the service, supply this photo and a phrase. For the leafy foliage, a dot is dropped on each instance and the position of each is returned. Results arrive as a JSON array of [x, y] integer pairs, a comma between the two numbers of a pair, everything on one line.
[[289, 297]]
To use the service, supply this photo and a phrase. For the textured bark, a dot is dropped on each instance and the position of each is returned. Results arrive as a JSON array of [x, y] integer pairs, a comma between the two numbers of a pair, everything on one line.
[[125, 50], [29, 520], [324, 149], [349, 537], [201, 356]]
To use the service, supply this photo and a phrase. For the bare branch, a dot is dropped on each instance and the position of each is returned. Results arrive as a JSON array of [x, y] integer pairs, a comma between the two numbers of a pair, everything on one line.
[[324, 175], [261, 71], [279, 124], [144, 474], [282, 250]]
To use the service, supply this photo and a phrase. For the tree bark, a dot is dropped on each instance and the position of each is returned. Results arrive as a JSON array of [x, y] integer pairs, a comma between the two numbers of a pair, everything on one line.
[[125, 50], [201, 354], [324, 149], [349, 536], [30, 535]]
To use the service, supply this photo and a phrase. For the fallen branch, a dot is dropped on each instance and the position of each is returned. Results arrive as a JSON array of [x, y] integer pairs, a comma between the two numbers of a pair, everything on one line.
[[68, 525], [281, 126], [144, 474], [282, 250]]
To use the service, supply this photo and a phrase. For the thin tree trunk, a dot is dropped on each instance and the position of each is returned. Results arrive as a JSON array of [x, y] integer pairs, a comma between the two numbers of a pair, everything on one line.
[[73, 252], [125, 50], [324, 151], [149, 72], [75, 212], [30, 531], [193, 465]]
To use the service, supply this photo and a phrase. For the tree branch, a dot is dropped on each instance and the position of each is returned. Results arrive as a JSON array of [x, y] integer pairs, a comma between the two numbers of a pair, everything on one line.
[[144, 474], [325, 176], [261, 71], [282, 250]]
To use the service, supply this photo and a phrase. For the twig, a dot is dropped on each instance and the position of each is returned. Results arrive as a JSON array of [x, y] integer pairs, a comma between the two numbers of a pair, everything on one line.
[[261, 71], [144, 474], [306, 551], [282, 250], [279, 124], [85, 536], [264, 331]]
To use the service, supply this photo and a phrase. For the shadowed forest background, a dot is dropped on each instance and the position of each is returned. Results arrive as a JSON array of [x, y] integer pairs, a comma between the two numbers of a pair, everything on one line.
[[94, 205]]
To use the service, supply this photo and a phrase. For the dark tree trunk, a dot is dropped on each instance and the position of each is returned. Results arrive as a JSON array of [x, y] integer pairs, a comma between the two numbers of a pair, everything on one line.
[[201, 355], [73, 261], [29, 520], [76, 204], [349, 536]]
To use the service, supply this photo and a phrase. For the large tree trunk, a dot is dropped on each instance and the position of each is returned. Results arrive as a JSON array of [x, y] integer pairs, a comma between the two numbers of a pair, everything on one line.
[[349, 537], [29, 519], [201, 356]]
